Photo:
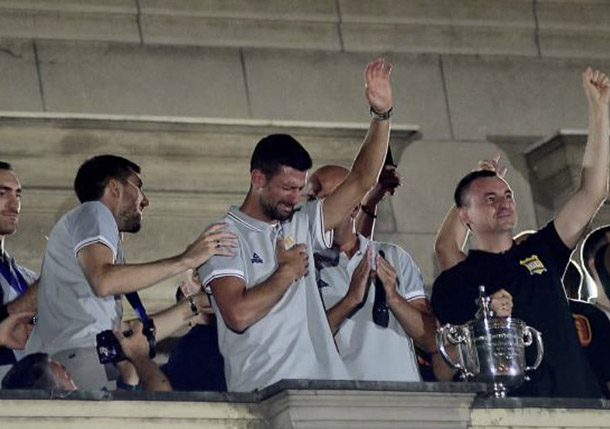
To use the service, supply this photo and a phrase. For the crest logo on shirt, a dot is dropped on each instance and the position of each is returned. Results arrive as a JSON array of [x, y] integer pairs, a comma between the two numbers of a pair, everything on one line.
[[256, 259], [289, 241], [533, 264]]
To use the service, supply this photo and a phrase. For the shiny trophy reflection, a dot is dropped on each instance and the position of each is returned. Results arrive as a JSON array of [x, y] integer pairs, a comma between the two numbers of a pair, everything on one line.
[[491, 349]]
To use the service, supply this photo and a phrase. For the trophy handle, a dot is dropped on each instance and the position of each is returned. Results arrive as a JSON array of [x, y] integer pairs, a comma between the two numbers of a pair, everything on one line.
[[451, 334], [540, 347]]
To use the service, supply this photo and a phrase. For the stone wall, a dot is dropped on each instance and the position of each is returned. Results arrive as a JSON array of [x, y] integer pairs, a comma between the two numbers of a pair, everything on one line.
[[475, 76]]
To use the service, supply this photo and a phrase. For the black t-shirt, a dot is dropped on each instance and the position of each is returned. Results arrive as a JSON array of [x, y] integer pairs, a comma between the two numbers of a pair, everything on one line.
[[531, 272], [593, 328]]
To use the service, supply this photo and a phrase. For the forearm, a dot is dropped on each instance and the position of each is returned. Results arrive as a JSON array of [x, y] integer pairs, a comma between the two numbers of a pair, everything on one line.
[[26, 302], [339, 312], [247, 306], [595, 161], [368, 162], [450, 241], [420, 325], [151, 376], [113, 279], [442, 371], [172, 319]]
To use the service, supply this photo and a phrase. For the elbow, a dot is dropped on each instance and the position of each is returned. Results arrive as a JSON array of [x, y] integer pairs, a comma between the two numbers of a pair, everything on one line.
[[237, 321], [100, 288]]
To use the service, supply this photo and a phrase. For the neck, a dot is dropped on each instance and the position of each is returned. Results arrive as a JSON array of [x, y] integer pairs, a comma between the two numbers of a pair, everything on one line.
[[252, 208], [2, 245], [494, 242]]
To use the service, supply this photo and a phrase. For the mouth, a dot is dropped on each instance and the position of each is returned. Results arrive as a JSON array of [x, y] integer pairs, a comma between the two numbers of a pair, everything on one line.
[[14, 216]]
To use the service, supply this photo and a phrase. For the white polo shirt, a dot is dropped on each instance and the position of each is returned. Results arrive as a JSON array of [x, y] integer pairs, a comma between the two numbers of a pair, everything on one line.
[[369, 351], [70, 315], [293, 340]]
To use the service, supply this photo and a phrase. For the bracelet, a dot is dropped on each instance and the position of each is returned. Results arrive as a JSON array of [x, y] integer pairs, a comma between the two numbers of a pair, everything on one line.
[[193, 306], [384, 116], [368, 212]]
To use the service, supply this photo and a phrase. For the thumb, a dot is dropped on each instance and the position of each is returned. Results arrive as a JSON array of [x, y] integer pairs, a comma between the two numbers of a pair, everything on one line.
[[280, 245]]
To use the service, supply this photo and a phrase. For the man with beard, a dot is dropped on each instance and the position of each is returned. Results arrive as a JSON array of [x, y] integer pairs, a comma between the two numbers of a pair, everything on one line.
[[84, 275], [16, 294], [530, 271], [272, 324]]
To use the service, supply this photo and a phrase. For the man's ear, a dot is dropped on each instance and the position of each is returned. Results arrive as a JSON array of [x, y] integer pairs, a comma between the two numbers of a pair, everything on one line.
[[258, 178], [114, 188], [464, 218]]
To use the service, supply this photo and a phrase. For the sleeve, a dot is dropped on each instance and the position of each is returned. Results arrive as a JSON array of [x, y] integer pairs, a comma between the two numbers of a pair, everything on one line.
[[559, 251], [450, 302], [315, 211], [223, 266], [94, 223]]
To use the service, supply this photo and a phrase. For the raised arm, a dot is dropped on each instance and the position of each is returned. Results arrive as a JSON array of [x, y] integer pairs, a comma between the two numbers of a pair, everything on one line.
[[369, 160], [389, 180], [107, 278], [450, 241], [241, 307], [577, 212], [361, 278]]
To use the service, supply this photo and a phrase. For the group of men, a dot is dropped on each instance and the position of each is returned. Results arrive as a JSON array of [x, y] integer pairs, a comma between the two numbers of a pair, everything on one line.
[[295, 289]]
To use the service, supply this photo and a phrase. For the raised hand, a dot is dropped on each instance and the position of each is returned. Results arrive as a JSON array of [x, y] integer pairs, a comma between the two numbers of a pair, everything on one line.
[[378, 87], [15, 330], [387, 275], [597, 87], [215, 240], [293, 260], [360, 278], [493, 165], [501, 303]]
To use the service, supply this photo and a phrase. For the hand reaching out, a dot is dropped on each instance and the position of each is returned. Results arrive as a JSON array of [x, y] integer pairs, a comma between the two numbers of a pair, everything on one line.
[[215, 240], [378, 87]]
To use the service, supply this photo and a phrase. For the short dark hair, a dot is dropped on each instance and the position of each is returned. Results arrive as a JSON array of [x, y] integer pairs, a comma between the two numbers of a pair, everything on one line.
[[459, 196], [31, 372], [593, 241], [5, 166], [94, 174], [277, 150]]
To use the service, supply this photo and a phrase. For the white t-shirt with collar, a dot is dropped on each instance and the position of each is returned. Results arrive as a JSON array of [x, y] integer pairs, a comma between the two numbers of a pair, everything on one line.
[[371, 352], [293, 340]]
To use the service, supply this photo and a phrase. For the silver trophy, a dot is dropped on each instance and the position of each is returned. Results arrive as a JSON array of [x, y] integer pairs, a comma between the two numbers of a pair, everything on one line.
[[491, 349]]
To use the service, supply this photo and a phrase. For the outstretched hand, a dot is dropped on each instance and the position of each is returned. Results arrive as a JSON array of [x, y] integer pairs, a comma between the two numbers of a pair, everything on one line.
[[597, 87], [378, 87], [215, 240]]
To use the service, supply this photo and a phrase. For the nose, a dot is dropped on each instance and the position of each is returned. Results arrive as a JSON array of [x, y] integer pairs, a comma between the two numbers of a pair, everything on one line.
[[15, 203], [295, 196], [145, 202]]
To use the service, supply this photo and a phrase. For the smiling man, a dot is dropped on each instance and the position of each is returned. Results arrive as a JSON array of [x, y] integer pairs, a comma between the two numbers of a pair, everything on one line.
[[531, 269], [83, 272], [273, 325], [17, 284]]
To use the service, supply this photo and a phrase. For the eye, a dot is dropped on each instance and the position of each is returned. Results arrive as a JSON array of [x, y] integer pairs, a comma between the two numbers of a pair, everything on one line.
[[490, 199]]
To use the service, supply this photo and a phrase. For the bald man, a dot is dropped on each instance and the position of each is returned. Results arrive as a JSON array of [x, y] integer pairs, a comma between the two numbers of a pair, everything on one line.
[[344, 273]]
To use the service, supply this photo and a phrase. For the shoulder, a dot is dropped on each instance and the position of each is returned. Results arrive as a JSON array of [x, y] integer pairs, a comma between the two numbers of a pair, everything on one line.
[[90, 211]]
